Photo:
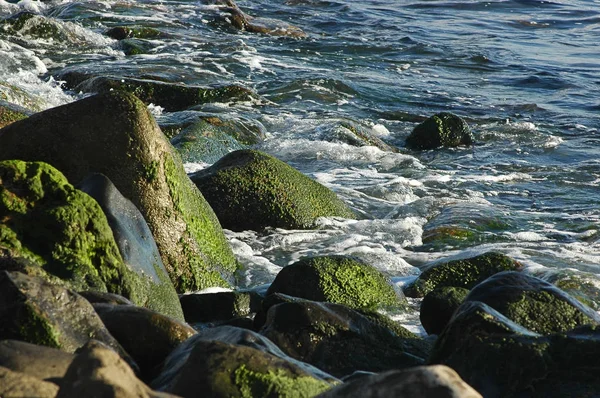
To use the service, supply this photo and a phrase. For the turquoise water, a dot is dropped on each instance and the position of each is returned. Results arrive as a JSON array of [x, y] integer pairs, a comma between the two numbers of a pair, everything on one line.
[[524, 74]]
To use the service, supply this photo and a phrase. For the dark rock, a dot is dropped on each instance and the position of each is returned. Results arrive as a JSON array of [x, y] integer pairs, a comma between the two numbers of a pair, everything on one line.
[[128, 32], [146, 335], [207, 307], [11, 113], [249, 189], [337, 279], [339, 340], [357, 134], [502, 359], [136, 244], [583, 287], [272, 299], [138, 159], [136, 46], [172, 97], [34, 311], [98, 372], [533, 303], [16, 384], [27, 23], [225, 370], [37, 361], [421, 382], [95, 297], [438, 306], [440, 130], [200, 146], [464, 273]]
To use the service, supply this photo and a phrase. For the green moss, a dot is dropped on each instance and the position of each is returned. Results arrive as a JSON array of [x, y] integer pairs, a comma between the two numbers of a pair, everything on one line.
[[461, 273], [151, 171], [276, 383], [443, 129], [35, 329], [202, 229], [8, 116], [37, 26], [249, 189], [127, 32]]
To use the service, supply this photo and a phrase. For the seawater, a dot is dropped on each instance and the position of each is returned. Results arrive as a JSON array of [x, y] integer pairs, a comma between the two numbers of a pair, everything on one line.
[[523, 73]]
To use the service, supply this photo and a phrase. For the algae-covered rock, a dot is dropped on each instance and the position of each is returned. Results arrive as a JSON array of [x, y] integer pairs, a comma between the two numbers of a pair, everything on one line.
[[136, 244], [461, 273], [146, 335], [243, 130], [219, 369], [249, 189], [584, 287], [339, 340], [357, 134], [438, 306], [171, 96], [114, 134], [502, 359], [337, 279], [199, 144], [11, 113], [533, 303], [437, 381], [128, 32], [17, 384], [27, 23], [36, 312], [440, 130]]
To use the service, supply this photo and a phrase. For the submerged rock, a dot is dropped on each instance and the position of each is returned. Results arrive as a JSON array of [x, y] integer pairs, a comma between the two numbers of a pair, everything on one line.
[[114, 134], [464, 273], [440, 130], [249, 189], [337, 279], [37, 26], [128, 32], [533, 303], [436, 381], [339, 340], [439, 305]]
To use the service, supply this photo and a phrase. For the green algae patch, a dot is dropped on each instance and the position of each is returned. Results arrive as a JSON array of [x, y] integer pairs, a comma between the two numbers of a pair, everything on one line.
[[276, 383], [337, 279], [440, 130], [128, 32], [250, 190], [29, 24], [464, 273], [9, 115]]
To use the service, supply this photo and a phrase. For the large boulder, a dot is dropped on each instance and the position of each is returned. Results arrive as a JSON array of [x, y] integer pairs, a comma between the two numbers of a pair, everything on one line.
[[146, 335], [61, 230], [533, 303], [219, 306], [440, 130], [226, 370], [439, 305], [249, 189], [17, 384], [41, 362], [136, 244], [436, 381], [114, 134], [337, 279], [464, 273], [339, 340]]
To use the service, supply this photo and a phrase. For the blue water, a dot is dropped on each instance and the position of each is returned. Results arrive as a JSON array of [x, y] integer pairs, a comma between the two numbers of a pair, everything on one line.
[[524, 74]]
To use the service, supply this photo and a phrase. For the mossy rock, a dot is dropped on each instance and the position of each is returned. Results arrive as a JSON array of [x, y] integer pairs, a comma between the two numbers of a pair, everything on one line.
[[136, 46], [129, 32], [249, 189], [340, 340], [357, 134], [464, 273], [11, 113], [501, 359], [533, 303], [438, 306], [337, 279], [225, 370], [11, 94], [198, 145], [134, 154], [27, 23], [440, 130], [172, 97], [583, 287]]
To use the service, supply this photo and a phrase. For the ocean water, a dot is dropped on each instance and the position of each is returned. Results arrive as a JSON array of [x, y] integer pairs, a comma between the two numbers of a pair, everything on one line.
[[523, 73]]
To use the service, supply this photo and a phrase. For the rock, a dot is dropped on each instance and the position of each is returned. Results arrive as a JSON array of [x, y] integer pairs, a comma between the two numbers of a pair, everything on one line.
[[37, 312], [502, 359], [464, 273], [138, 159], [337, 279], [440, 130], [198, 146], [128, 32], [136, 46], [15, 384], [98, 372], [234, 336], [357, 134], [437, 381], [27, 23], [146, 335], [172, 97], [584, 287], [533, 303], [226, 370], [136, 244], [40, 362], [249, 189], [438, 306], [207, 307], [339, 340], [95, 297], [11, 113]]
